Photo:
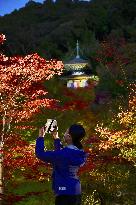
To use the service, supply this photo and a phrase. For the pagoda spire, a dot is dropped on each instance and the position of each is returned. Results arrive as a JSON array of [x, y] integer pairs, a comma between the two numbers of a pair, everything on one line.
[[77, 50]]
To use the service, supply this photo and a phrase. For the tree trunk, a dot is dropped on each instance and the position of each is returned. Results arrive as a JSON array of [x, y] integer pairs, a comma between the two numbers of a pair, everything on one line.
[[1, 173], [1, 160]]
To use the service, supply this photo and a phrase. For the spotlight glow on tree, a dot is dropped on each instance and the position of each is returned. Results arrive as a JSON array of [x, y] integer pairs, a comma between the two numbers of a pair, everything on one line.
[[22, 93]]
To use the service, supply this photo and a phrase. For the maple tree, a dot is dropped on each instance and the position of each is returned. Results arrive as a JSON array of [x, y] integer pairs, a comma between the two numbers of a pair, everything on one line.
[[112, 148], [120, 135], [112, 67], [114, 63], [20, 157], [22, 93]]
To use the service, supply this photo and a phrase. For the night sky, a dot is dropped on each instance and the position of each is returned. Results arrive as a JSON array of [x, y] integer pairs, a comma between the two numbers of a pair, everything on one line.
[[7, 6]]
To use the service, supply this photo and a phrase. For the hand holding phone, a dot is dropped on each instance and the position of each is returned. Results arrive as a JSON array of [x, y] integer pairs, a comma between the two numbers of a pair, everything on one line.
[[52, 128], [42, 132], [55, 134], [51, 125]]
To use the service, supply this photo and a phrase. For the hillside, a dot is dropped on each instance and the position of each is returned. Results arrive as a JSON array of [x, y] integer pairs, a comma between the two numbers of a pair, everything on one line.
[[51, 29]]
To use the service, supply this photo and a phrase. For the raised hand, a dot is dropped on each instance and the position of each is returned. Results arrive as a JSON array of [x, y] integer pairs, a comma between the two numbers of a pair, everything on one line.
[[42, 131], [54, 133]]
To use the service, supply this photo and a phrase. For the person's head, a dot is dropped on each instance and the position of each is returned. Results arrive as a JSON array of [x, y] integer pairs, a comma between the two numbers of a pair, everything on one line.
[[74, 134]]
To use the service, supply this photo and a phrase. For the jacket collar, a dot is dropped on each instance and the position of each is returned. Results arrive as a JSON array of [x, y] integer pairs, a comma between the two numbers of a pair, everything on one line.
[[72, 147]]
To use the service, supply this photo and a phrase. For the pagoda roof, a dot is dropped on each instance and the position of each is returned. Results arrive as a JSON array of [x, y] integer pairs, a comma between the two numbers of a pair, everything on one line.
[[76, 61], [76, 77]]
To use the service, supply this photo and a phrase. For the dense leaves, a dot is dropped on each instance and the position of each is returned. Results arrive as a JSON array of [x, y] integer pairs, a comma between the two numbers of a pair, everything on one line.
[[59, 27], [114, 68], [22, 94], [21, 89], [19, 157], [121, 133]]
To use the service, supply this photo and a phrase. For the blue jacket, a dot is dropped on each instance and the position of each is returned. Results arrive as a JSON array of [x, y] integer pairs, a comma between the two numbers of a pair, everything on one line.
[[66, 162]]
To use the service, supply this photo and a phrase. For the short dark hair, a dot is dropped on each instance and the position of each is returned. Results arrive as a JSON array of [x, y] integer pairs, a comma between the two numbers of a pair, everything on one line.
[[77, 133]]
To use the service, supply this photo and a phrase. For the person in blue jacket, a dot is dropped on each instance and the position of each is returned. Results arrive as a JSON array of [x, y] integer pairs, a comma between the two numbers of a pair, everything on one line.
[[66, 162]]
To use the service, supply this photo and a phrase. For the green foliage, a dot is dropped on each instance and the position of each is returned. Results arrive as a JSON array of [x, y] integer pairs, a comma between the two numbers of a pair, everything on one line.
[[51, 29], [34, 192], [110, 184]]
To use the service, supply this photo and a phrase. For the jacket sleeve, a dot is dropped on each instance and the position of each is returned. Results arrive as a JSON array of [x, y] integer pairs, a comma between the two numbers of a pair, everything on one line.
[[57, 144], [46, 156]]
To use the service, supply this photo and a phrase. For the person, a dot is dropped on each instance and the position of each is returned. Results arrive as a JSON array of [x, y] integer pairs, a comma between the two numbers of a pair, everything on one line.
[[66, 162]]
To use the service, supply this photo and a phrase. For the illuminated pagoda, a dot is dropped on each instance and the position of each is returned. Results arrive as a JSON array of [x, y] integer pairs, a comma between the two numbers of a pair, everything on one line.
[[76, 71]]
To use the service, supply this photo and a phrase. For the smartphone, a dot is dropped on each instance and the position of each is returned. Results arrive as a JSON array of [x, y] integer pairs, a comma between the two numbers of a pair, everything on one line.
[[50, 125]]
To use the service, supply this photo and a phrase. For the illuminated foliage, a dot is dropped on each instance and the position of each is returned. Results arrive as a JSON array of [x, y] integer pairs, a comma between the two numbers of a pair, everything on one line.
[[22, 95], [123, 138], [20, 155]]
